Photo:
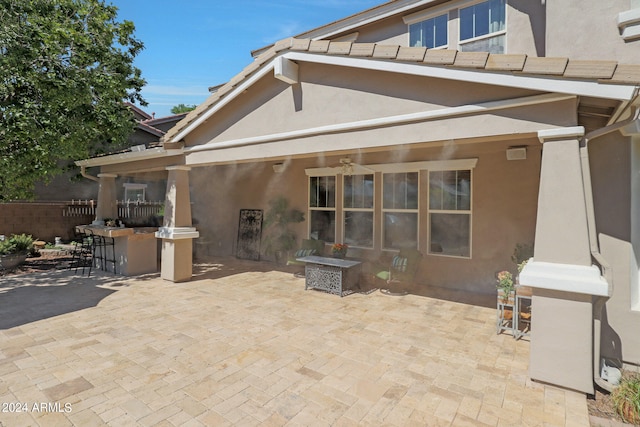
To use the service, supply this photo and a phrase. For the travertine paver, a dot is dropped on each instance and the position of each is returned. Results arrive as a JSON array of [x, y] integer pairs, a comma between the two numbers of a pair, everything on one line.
[[243, 345]]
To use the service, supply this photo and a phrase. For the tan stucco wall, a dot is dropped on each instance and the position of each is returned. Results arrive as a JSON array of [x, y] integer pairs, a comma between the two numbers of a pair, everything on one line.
[[613, 166], [504, 206], [591, 26], [331, 95]]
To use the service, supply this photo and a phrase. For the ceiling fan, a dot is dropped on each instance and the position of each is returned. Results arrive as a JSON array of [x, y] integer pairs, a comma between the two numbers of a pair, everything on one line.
[[348, 167]]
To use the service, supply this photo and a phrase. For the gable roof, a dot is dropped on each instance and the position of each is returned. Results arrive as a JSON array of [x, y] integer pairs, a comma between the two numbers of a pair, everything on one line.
[[600, 79]]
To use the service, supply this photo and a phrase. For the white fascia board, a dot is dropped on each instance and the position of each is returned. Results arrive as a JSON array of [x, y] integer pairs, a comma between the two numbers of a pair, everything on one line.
[[578, 279], [226, 99], [547, 84], [130, 156]]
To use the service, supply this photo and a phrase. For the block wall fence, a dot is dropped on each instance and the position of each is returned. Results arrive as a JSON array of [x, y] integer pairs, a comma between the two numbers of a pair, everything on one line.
[[44, 221]]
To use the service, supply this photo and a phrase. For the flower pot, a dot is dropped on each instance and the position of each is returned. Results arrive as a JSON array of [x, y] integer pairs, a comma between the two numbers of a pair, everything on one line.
[[10, 261]]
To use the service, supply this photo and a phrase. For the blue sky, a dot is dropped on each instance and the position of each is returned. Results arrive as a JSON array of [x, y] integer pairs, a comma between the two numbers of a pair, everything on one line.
[[191, 45]]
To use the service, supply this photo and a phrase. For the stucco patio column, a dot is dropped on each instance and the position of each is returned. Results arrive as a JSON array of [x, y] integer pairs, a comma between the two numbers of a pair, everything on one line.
[[177, 233], [561, 273], [107, 202]]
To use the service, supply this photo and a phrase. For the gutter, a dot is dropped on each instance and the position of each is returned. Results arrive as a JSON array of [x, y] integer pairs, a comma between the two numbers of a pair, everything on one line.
[[600, 301], [83, 172]]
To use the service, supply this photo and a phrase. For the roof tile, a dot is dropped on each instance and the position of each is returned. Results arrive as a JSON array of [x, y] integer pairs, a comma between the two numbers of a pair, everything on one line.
[[545, 65], [440, 56], [506, 62], [283, 44], [386, 51], [471, 59], [300, 44], [362, 49], [339, 48], [590, 69], [319, 46], [626, 74], [415, 54]]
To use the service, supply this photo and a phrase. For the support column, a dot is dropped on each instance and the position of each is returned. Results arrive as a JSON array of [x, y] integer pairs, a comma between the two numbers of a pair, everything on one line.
[[107, 201], [177, 233], [561, 273]]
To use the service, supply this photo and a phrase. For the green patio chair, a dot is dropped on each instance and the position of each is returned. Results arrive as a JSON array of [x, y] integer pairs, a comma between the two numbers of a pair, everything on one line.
[[402, 269], [309, 247]]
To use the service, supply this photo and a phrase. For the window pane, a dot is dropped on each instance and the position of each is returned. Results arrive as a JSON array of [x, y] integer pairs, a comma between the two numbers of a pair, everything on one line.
[[415, 35], [400, 190], [358, 191], [481, 19], [429, 33], [497, 15], [322, 192], [466, 23], [400, 230], [450, 234], [441, 31], [358, 228], [450, 190], [323, 225]]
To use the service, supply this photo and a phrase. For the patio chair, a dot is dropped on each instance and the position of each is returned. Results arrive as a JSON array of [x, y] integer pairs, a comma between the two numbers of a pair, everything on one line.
[[402, 269], [309, 247]]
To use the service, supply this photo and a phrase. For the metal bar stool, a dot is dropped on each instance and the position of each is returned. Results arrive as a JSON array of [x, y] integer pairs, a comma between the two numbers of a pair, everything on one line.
[[106, 256], [84, 253]]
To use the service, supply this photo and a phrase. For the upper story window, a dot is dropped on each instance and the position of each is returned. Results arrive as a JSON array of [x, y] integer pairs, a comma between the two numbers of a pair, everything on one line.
[[429, 33], [482, 27]]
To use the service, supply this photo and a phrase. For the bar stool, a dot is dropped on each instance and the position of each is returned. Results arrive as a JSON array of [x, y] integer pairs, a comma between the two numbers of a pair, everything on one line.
[[83, 253], [106, 256]]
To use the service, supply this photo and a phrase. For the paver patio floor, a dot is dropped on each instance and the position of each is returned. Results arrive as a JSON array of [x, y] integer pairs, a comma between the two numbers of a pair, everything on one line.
[[243, 345]]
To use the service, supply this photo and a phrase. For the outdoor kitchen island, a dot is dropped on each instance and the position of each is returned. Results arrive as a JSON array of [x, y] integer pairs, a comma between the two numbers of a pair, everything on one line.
[[136, 249]]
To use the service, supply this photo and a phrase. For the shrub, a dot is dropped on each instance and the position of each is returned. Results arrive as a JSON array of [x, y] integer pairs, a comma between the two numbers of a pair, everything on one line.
[[7, 247], [22, 242], [626, 399]]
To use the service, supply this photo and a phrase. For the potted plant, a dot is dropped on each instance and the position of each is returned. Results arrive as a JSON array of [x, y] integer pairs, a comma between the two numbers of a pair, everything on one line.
[[339, 250], [521, 255], [506, 287], [15, 250], [279, 237]]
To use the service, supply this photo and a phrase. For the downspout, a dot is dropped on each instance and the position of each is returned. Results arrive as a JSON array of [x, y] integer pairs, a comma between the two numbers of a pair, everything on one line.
[[593, 240], [83, 172]]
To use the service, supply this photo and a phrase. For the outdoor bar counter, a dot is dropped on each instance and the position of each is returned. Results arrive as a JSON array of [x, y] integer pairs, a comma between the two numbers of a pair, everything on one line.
[[136, 249]]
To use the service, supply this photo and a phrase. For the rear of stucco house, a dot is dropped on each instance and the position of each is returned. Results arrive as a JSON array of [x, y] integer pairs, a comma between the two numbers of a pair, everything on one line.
[[476, 124]]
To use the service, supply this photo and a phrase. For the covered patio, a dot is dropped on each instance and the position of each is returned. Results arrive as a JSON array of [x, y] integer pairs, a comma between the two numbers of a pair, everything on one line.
[[244, 344]]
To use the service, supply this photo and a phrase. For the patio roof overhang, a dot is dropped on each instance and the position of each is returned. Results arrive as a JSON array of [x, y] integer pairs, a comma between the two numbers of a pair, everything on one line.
[[129, 156]]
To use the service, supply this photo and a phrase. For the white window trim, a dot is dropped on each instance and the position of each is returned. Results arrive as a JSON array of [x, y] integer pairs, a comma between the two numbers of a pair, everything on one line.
[[430, 165], [457, 212], [321, 209], [372, 210], [486, 36], [383, 211], [128, 186]]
